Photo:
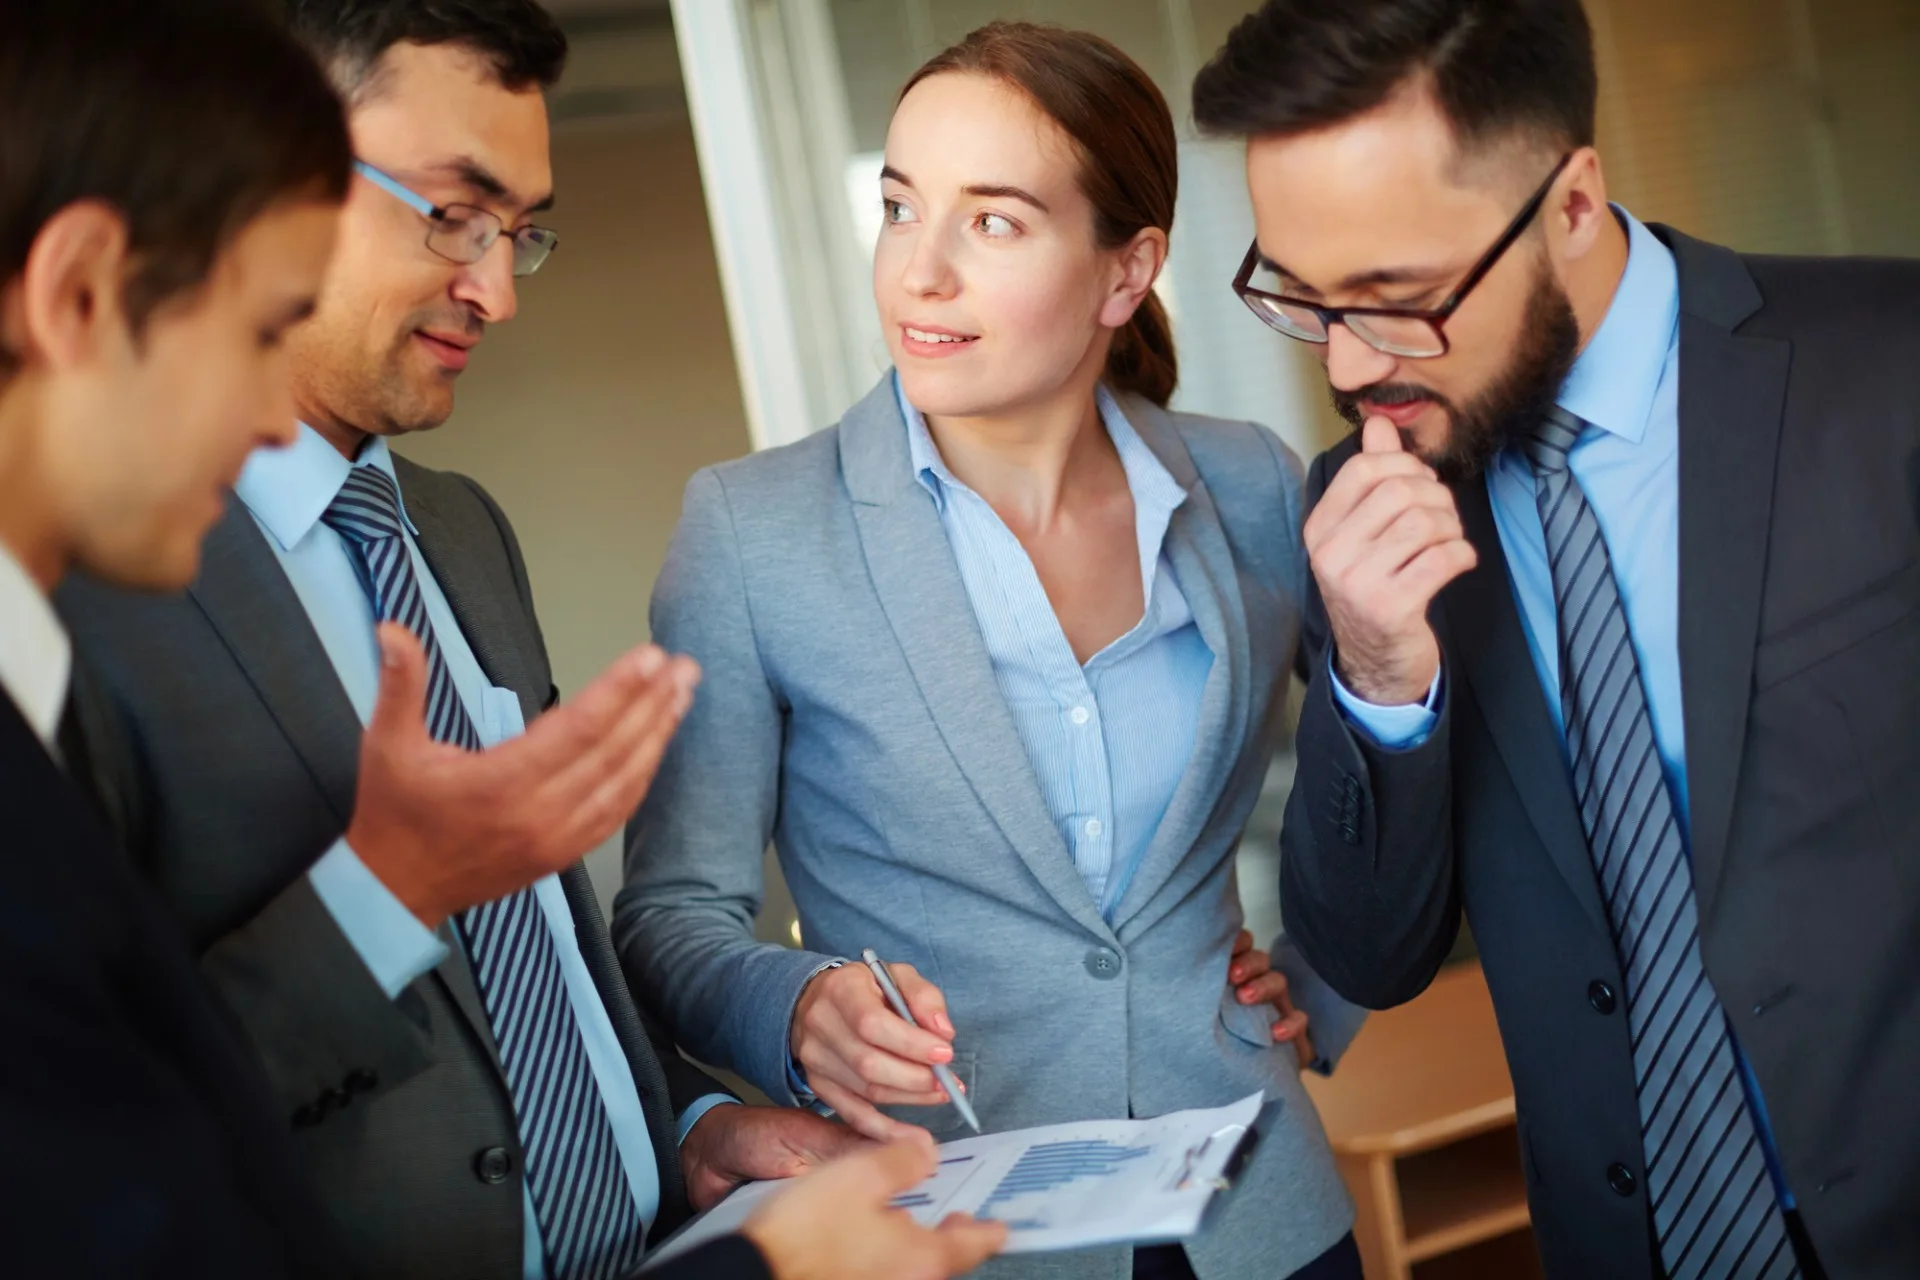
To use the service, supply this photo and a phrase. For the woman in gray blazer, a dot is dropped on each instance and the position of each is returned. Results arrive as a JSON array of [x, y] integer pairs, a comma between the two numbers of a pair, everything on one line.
[[995, 664]]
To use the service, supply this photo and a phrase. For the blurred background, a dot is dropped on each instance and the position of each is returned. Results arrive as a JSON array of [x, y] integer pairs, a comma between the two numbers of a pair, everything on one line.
[[717, 162], [716, 165]]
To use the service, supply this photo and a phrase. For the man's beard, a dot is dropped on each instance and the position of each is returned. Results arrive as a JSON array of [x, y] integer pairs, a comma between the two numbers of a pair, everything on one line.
[[1511, 407]]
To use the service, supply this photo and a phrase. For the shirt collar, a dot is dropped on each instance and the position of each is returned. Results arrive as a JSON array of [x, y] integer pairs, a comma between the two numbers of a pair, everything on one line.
[[1613, 383], [1156, 494], [1153, 486], [289, 489], [36, 656]]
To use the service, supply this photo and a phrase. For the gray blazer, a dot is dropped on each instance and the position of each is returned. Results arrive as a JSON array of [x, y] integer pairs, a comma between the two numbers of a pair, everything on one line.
[[849, 712], [228, 759]]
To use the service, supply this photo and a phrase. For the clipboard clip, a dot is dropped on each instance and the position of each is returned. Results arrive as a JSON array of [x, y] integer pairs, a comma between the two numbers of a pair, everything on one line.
[[1237, 1134]]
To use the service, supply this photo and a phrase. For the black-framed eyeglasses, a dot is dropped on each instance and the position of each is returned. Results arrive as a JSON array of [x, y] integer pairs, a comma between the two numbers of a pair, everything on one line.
[[463, 233], [1414, 334]]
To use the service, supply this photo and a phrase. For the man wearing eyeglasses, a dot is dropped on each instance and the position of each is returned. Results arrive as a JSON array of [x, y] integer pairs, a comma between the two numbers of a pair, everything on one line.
[[441, 1013], [1614, 638]]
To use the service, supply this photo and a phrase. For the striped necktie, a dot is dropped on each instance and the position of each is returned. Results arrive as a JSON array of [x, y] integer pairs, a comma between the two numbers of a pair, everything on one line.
[[1713, 1202], [589, 1221]]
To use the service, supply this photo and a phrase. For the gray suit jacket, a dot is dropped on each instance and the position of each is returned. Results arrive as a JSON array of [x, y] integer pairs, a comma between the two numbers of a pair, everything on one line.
[[229, 764], [1799, 648], [849, 712]]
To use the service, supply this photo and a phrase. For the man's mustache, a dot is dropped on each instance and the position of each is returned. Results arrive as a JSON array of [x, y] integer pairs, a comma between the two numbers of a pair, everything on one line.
[[1347, 403]]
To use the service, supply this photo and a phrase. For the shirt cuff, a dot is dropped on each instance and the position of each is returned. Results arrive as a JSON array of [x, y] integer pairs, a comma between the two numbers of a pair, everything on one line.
[[700, 1108], [1398, 728], [390, 940]]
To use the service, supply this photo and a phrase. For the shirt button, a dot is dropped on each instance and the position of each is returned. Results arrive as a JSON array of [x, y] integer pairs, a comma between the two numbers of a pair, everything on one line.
[[1093, 827], [1079, 715]]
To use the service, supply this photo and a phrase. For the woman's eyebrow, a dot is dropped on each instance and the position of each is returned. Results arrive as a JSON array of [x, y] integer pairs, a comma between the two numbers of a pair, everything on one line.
[[986, 190], [1000, 191]]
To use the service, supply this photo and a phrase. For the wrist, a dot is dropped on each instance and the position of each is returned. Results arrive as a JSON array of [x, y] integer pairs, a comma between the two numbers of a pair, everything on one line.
[[811, 993], [378, 853], [756, 1233], [1391, 681]]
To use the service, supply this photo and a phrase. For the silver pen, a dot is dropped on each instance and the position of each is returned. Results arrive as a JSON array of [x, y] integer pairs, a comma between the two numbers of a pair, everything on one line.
[[941, 1073]]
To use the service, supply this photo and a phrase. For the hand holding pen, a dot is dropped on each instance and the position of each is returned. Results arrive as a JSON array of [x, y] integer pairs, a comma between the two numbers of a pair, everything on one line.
[[859, 1054]]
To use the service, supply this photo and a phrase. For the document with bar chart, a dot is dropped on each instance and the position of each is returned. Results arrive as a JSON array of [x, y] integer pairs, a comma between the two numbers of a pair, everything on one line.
[[1095, 1182], [1064, 1186]]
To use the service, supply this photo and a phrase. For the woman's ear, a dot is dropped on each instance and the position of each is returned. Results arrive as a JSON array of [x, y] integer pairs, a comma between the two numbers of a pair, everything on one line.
[[69, 292], [1139, 263]]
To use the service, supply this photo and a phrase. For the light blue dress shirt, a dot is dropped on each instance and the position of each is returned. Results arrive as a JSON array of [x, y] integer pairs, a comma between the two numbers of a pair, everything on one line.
[[287, 491], [1109, 740], [1626, 387]]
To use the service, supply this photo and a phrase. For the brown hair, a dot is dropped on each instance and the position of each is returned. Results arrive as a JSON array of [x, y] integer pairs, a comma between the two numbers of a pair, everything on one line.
[[188, 117], [1129, 159]]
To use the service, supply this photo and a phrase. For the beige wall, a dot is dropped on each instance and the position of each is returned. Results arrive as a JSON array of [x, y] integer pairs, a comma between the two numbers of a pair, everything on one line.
[[585, 415]]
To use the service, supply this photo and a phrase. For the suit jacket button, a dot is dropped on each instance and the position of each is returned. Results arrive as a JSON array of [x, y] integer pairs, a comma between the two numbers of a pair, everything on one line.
[[1621, 1179], [333, 1100], [308, 1116], [1600, 996], [361, 1080], [493, 1165], [1103, 963]]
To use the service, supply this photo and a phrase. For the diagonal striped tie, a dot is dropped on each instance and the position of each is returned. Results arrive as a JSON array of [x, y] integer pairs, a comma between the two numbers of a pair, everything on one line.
[[1713, 1201], [589, 1221]]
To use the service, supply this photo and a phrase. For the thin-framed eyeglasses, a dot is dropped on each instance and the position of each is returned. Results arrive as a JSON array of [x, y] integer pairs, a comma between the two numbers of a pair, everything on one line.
[[1412, 333], [463, 233]]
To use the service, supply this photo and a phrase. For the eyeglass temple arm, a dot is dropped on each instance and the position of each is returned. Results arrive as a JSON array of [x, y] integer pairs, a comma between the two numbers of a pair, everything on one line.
[[393, 187], [1515, 229]]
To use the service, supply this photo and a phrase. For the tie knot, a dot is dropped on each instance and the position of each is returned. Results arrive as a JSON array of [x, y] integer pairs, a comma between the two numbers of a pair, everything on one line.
[[1547, 445], [367, 508]]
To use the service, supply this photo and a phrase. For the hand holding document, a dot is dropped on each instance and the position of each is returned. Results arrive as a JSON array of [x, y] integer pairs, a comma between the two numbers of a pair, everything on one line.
[[1061, 1186]]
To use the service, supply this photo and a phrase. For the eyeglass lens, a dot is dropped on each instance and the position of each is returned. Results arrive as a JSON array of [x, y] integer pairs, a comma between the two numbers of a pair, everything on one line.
[[1395, 335], [464, 234]]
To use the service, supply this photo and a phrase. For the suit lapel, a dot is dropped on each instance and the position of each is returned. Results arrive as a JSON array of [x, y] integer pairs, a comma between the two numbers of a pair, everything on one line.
[[1732, 394], [1484, 624], [247, 598], [1196, 546], [918, 583]]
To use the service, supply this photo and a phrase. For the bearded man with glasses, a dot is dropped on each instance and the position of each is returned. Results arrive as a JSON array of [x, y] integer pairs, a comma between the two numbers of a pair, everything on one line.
[[1613, 634]]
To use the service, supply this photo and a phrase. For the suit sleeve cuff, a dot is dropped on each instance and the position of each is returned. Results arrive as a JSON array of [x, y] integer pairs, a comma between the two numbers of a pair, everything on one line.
[[1398, 728], [691, 1116], [803, 1094], [389, 939]]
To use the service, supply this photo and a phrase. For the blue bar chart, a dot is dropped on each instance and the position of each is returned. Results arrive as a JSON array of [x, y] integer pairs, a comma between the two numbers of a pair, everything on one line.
[[1028, 1198]]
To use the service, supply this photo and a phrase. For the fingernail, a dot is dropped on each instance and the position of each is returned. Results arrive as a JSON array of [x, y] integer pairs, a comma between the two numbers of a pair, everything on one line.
[[650, 661], [943, 1054], [388, 658]]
